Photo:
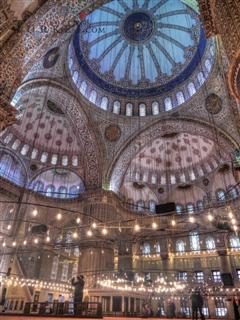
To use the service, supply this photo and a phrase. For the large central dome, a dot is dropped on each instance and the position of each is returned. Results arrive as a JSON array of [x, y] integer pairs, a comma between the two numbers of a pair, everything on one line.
[[140, 48]]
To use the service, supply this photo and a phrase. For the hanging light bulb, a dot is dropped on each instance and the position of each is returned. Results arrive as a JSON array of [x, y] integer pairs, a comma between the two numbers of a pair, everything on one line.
[[89, 233], [75, 235], [173, 222], [94, 225], [154, 225], [4, 244], [191, 219], [35, 212], [14, 243], [104, 231], [234, 221], [35, 240], [230, 214], [24, 242], [9, 227], [48, 239], [78, 220], [137, 227], [210, 217], [235, 228], [59, 216]]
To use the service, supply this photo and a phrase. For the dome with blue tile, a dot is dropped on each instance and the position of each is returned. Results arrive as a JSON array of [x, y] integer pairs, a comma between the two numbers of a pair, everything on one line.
[[140, 48]]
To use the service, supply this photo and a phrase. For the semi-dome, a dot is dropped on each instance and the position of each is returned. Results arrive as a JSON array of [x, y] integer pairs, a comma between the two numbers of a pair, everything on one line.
[[140, 50]]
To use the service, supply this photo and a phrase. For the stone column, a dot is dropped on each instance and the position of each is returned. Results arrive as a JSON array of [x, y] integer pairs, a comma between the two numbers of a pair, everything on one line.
[[223, 18]]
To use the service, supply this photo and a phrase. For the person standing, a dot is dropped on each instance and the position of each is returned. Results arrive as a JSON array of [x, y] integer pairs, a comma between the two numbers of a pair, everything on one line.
[[235, 309], [78, 283], [200, 304]]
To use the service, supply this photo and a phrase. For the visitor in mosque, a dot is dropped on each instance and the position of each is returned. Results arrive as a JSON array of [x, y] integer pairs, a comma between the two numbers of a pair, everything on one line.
[[236, 309], [171, 310], [78, 284], [197, 305]]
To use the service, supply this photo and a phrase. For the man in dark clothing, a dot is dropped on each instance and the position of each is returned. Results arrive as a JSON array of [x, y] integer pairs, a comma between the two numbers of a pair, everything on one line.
[[78, 283], [197, 304]]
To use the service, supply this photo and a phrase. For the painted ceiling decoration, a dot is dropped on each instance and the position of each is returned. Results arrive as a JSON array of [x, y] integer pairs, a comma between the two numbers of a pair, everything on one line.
[[140, 48]]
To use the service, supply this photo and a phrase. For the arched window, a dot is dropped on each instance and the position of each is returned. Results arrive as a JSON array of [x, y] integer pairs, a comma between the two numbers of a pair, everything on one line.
[[201, 78], [93, 96], [142, 110], [192, 175], [83, 88], [155, 108], [73, 191], [8, 138], [173, 179], [38, 186], [75, 269], [194, 241], [168, 104], [212, 51], [234, 241], [191, 89], [34, 153], [210, 244], [180, 97], [62, 192], [64, 276], [157, 248], [190, 208], [129, 109], [75, 77], [180, 246], [44, 157], [179, 209], [145, 176], [104, 103], [50, 190], [116, 107], [140, 205], [25, 149], [183, 178], [208, 65], [54, 268], [76, 252], [70, 63], [75, 161], [200, 206], [221, 196], [16, 144], [146, 249], [233, 192], [65, 160], [154, 179], [54, 159], [152, 206]]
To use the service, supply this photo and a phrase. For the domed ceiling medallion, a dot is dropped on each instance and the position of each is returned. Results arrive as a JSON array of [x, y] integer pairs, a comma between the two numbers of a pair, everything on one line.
[[213, 104], [112, 133], [139, 49]]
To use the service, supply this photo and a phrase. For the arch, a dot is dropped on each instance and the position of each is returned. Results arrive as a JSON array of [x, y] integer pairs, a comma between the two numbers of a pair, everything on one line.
[[180, 246], [234, 241], [179, 208], [90, 143], [190, 207], [191, 89], [146, 248], [54, 270], [200, 205], [116, 107], [12, 168], [155, 108], [140, 205], [93, 96], [152, 206], [210, 243], [104, 103], [123, 158], [58, 178], [129, 109], [168, 104], [180, 97], [220, 195], [142, 110]]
